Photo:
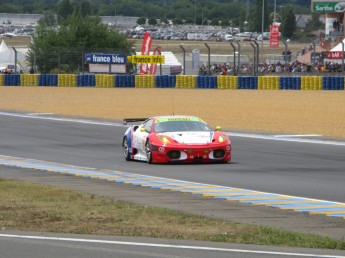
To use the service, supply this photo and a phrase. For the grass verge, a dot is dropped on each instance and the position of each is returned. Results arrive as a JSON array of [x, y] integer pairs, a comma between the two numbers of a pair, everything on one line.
[[30, 207]]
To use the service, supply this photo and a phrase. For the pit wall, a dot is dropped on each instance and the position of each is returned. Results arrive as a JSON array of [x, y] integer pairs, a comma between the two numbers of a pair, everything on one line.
[[176, 81]]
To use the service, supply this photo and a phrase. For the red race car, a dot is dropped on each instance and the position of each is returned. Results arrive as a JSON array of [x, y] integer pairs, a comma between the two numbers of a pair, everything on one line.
[[167, 139]]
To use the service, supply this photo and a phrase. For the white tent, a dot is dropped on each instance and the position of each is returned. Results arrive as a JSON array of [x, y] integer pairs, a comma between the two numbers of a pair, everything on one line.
[[7, 57], [339, 47]]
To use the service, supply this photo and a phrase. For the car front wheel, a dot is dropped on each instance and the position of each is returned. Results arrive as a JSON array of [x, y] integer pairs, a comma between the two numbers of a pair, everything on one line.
[[126, 149]]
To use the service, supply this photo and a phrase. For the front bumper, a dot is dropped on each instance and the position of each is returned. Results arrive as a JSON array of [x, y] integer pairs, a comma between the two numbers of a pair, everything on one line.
[[191, 153]]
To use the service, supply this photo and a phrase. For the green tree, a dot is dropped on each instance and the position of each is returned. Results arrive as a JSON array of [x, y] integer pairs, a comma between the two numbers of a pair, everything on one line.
[[315, 23], [62, 48], [177, 21], [152, 21], [48, 19], [289, 22], [257, 18], [85, 8], [215, 22], [64, 10], [141, 21]]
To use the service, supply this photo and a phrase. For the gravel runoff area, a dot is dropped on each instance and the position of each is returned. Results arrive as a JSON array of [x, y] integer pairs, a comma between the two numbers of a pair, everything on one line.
[[284, 112]]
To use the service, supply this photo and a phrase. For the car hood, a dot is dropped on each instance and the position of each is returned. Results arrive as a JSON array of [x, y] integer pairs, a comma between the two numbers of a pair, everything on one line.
[[191, 137]]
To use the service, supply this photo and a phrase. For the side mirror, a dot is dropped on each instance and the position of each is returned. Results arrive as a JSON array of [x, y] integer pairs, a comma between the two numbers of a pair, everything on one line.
[[218, 128], [142, 129]]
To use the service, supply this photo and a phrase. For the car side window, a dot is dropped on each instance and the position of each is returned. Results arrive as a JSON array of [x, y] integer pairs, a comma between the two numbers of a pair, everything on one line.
[[148, 125]]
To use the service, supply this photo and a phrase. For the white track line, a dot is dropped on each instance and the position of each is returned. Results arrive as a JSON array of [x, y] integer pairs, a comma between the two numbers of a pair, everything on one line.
[[166, 246]]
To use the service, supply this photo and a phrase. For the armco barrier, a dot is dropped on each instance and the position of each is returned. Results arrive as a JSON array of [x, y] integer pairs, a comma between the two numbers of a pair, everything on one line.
[[176, 81]]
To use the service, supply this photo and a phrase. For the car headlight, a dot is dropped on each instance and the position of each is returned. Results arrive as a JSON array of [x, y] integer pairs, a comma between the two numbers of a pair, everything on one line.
[[222, 138], [164, 139]]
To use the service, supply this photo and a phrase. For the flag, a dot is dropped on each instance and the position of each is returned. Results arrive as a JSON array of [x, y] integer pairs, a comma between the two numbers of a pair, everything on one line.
[[145, 50]]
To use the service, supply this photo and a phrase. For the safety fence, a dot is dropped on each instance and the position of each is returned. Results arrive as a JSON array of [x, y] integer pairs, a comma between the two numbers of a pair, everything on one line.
[[176, 81]]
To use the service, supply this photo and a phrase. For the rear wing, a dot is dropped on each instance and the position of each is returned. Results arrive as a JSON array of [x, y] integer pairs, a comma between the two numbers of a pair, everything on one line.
[[131, 120]]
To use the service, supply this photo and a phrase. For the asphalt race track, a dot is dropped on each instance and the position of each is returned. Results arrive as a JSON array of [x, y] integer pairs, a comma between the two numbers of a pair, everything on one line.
[[292, 168], [306, 166]]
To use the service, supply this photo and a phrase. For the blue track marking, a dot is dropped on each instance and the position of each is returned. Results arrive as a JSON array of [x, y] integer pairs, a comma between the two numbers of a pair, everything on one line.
[[284, 202]]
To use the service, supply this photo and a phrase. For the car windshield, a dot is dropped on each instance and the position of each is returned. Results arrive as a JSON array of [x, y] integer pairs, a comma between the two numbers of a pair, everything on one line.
[[181, 126]]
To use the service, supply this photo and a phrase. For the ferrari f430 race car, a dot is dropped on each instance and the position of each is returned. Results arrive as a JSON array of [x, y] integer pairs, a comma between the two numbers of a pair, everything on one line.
[[168, 139]]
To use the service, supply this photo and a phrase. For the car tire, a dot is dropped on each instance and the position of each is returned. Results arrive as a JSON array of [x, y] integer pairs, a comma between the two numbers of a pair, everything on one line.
[[126, 149], [148, 152]]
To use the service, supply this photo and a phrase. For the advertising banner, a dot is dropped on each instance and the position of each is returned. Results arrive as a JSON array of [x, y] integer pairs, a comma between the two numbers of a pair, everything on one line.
[[134, 59], [153, 67], [105, 58], [333, 55], [328, 7], [145, 50], [274, 36], [104, 68]]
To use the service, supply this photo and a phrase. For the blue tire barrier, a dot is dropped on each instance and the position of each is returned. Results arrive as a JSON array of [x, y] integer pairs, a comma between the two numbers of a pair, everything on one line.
[[125, 81], [333, 83], [290, 83], [86, 80], [165, 81], [12, 79], [48, 80], [206, 82], [247, 83]]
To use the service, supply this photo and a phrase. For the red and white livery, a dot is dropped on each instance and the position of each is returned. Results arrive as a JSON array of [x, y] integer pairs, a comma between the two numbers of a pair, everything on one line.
[[167, 139]]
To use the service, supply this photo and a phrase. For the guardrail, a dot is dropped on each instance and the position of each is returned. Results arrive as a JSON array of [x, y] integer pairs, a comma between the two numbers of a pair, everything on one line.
[[176, 81]]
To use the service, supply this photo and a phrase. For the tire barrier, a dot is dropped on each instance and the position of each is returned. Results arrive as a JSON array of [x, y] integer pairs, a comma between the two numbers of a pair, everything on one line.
[[290, 83], [247, 83], [311, 83], [2, 80], [67, 80], [12, 79], [125, 81], [29, 79], [206, 82], [268, 83], [144, 81], [48, 80], [86, 80], [333, 83], [105, 81], [227, 82], [176, 81], [186, 81], [165, 81]]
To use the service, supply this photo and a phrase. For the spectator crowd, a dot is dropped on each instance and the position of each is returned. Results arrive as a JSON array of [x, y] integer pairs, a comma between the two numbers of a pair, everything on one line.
[[266, 68]]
